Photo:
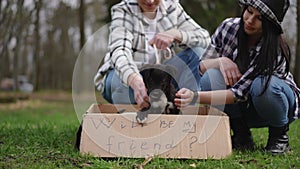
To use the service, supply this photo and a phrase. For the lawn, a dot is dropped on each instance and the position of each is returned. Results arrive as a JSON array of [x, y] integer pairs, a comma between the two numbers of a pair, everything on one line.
[[40, 133]]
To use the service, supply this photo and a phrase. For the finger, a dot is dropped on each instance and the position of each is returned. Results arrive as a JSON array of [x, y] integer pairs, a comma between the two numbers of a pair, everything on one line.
[[234, 77], [139, 102], [151, 42], [229, 78], [180, 103], [238, 74], [184, 103], [177, 102], [158, 44], [225, 77], [146, 99], [139, 99], [179, 93], [145, 104], [164, 46]]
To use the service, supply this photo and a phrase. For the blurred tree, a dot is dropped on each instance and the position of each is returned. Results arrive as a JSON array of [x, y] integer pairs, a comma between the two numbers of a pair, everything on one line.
[[210, 13], [81, 22], [8, 21], [109, 4], [297, 59], [15, 31], [42, 39], [36, 56], [63, 59]]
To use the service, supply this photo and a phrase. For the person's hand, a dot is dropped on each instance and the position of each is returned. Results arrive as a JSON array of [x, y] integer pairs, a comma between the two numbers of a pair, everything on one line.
[[140, 91], [230, 71], [163, 40], [184, 97]]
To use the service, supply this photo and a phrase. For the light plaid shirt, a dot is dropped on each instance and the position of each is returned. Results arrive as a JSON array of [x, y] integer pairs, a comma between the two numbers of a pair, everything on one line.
[[224, 44], [128, 42]]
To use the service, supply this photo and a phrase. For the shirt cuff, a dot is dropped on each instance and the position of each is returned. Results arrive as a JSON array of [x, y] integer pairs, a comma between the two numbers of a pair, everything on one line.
[[184, 37]]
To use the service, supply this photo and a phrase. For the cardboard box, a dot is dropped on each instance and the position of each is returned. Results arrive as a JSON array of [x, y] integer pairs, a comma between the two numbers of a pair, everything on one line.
[[200, 133]]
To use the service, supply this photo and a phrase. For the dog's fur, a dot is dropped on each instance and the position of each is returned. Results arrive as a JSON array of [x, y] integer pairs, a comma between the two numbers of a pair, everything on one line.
[[159, 81]]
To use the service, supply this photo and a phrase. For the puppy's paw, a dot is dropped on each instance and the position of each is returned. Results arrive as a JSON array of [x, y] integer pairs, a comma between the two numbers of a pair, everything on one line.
[[141, 116]]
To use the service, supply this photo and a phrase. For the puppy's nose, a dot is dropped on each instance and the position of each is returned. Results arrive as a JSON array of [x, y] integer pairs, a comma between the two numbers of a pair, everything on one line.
[[156, 94]]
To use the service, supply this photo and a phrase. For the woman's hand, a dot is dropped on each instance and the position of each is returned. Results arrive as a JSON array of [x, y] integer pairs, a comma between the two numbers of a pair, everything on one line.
[[163, 40], [140, 91], [230, 70], [183, 98]]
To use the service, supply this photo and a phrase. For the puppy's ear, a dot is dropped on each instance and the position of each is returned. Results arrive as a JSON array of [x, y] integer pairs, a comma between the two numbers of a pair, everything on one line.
[[146, 70], [146, 73]]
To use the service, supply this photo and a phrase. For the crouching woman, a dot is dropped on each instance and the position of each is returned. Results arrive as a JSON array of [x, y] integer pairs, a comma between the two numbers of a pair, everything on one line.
[[246, 69]]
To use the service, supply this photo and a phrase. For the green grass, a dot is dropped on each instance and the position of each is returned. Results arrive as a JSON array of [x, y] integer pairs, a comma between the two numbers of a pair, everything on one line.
[[40, 134]]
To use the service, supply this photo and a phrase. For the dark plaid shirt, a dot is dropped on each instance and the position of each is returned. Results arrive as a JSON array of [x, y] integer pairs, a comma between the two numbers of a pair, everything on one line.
[[224, 44]]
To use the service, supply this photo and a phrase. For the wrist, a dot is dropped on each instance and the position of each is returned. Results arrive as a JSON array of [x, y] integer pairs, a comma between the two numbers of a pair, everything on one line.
[[219, 62], [178, 35], [132, 78], [195, 97]]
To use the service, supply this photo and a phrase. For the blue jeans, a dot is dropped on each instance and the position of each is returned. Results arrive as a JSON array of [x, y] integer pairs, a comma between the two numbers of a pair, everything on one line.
[[275, 107], [186, 62]]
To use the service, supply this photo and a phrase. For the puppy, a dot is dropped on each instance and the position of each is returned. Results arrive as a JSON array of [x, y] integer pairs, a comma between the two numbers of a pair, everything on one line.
[[161, 87]]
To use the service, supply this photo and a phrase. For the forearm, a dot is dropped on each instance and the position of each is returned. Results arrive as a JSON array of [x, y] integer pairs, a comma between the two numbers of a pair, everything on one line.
[[124, 65], [209, 64], [185, 97], [217, 97], [132, 78], [195, 38], [121, 55]]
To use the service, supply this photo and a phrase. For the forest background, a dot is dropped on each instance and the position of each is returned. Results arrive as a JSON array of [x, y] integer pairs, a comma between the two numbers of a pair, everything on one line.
[[43, 40]]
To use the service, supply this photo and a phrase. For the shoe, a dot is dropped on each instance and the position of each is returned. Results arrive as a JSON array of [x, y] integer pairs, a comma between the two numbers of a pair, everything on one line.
[[242, 142], [278, 141], [242, 137]]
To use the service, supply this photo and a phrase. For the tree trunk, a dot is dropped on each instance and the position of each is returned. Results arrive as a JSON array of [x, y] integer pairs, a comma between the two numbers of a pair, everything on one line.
[[297, 59], [19, 31], [38, 5], [81, 23], [7, 21]]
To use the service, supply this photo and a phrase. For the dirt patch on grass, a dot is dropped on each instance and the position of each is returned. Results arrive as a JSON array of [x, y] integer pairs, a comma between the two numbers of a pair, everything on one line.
[[52, 96], [21, 104], [16, 100]]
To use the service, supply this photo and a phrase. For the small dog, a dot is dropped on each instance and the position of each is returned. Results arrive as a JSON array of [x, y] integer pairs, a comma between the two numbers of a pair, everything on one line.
[[161, 87]]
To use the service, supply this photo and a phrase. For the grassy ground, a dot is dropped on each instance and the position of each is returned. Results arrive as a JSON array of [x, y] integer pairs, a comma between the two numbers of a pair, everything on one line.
[[40, 133]]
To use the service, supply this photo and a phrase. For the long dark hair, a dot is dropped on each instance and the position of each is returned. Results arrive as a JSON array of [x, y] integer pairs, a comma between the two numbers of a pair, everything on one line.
[[267, 60]]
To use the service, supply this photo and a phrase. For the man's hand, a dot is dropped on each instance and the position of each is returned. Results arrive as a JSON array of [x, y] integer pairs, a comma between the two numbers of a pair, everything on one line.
[[140, 91]]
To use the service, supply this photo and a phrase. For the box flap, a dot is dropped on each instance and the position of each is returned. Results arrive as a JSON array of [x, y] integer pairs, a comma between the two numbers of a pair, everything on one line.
[[121, 108]]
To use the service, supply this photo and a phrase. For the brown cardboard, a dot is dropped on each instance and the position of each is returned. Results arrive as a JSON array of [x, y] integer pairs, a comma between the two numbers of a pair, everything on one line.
[[201, 133]]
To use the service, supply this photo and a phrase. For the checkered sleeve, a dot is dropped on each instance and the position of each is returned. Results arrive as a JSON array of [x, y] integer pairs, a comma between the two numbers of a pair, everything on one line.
[[120, 43], [223, 40], [242, 87]]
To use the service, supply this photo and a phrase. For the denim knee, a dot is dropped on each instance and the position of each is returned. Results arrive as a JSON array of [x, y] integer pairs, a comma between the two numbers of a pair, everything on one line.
[[115, 92], [187, 64], [212, 79], [275, 103]]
